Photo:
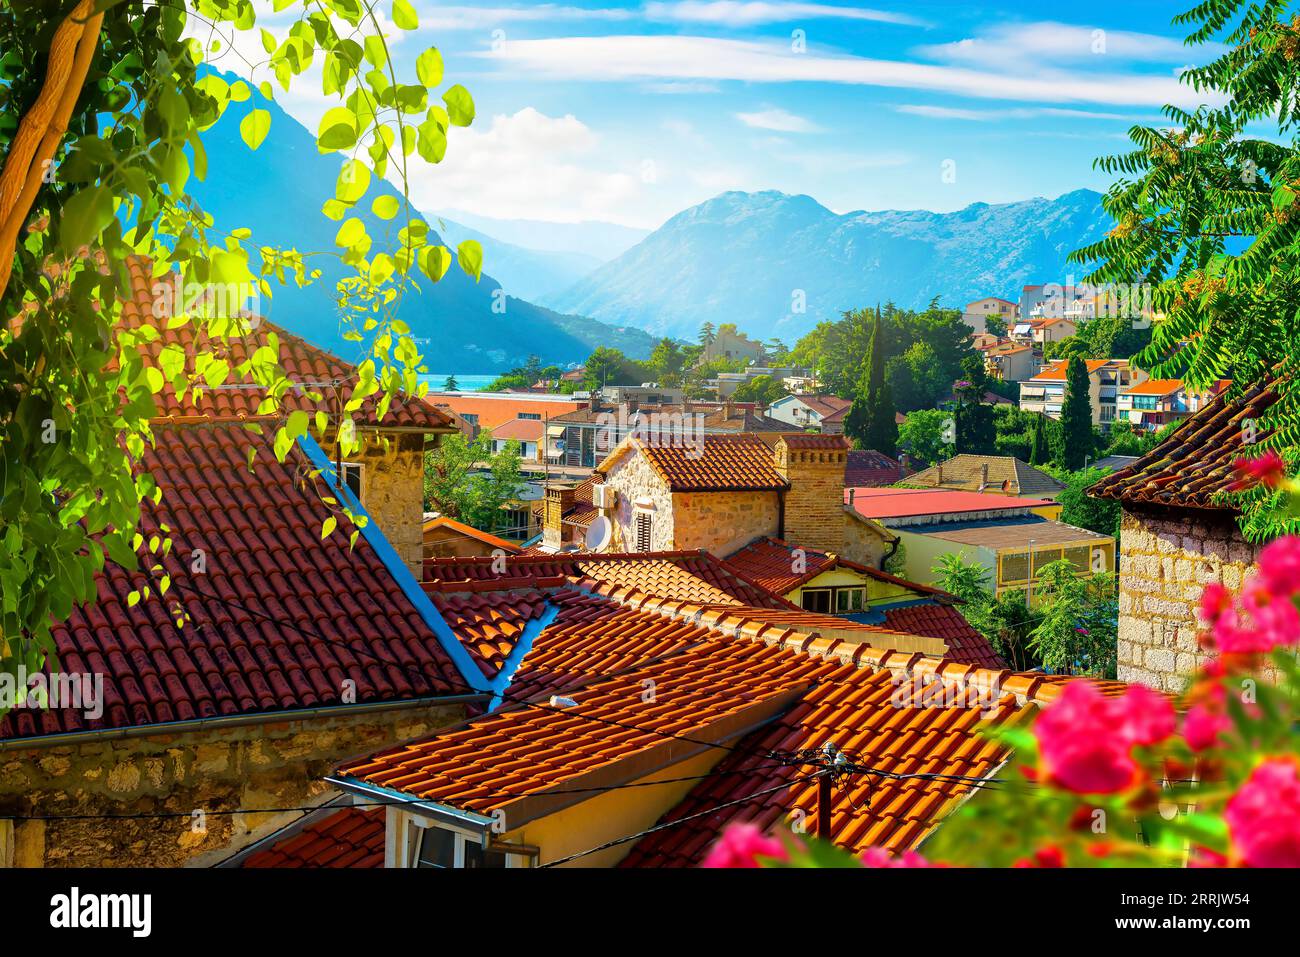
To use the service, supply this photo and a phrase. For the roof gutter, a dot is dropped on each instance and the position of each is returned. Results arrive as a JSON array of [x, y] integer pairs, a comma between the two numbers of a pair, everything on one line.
[[232, 720], [442, 813]]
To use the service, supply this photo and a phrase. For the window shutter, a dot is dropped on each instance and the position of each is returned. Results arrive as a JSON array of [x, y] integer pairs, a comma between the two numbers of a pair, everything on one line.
[[643, 532]]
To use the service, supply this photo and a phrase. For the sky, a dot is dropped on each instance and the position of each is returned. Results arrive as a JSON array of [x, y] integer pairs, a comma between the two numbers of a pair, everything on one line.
[[631, 112]]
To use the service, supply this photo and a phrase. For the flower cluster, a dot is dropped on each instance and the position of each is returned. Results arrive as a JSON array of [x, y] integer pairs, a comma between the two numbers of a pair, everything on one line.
[[1265, 615]]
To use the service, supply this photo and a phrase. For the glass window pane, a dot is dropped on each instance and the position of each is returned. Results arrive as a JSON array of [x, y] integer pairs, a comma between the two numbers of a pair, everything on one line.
[[437, 848], [1045, 556], [1079, 557], [1015, 566]]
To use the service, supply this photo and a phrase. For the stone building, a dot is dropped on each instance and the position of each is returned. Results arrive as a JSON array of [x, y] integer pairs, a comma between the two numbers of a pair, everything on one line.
[[274, 653], [733, 489], [1177, 534]]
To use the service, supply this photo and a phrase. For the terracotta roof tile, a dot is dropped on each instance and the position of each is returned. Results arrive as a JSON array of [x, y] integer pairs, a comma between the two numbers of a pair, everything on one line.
[[490, 624], [1004, 473], [869, 468], [322, 381], [259, 534], [723, 463], [965, 644], [348, 837], [1192, 467]]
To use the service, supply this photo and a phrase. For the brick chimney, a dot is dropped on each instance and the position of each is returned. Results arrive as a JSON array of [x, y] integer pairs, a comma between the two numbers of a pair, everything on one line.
[[558, 499], [814, 505]]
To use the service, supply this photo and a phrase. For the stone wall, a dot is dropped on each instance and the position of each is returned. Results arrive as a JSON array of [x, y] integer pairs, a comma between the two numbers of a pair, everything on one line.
[[240, 766], [392, 491], [722, 522], [633, 477], [1166, 559], [864, 540]]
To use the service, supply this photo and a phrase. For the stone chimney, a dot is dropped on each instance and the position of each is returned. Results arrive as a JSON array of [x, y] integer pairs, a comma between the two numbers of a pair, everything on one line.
[[814, 505], [984, 475], [559, 499]]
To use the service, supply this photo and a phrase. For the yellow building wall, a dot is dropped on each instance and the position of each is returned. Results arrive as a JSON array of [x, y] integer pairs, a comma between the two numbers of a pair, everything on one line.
[[878, 592], [610, 816]]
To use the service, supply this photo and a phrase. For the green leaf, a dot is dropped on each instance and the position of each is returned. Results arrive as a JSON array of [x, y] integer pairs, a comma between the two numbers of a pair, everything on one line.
[[386, 206], [350, 233], [460, 105], [84, 216], [268, 42], [298, 423], [404, 15], [254, 127], [328, 526], [353, 181], [435, 261], [239, 91], [334, 209], [428, 67], [337, 130], [470, 256]]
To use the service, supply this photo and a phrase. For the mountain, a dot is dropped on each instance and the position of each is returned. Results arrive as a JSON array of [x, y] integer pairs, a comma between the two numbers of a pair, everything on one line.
[[591, 238], [526, 273], [749, 258], [277, 192]]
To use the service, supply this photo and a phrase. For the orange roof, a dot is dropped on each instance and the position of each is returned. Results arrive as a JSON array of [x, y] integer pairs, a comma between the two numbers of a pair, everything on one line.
[[520, 430], [770, 562], [444, 524], [493, 411], [1056, 371], [319, 380], [1155, 387], [720, 463]]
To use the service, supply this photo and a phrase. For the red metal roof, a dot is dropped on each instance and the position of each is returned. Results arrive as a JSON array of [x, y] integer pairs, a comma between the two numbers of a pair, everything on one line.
[[905, 502]]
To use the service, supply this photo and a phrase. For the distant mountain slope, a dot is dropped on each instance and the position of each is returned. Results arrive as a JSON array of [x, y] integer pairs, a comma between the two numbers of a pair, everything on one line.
[[591, 238], [749, 258], [523, 272], [277, 192]]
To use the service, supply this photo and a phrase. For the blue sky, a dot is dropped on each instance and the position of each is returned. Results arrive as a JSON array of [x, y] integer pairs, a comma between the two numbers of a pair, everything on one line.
[[630, 112]]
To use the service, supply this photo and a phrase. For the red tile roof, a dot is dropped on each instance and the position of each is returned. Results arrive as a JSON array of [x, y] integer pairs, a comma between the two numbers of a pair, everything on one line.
[[521, 430], [1057, 370], [769, 562], [698, 577], [904, 502], [1192, 466], [869, 468], [490, 624], [965, 644], [348, 837], [723, 463], [259, 534], [825, 405], [321, 380]]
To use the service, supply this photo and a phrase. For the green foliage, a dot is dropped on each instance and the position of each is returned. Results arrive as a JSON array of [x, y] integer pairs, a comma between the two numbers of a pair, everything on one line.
[[976, 428], [763, 389], [469, 482], [1206, 217], [1014, 430], [1005, 620], [1076, 633], [916, 377], [608, 366], [1076, 438], [1079, 508], [450, 384], [524, 376], [928, 435], [75, 397], [707, 333], [870, 419], [667, 363]]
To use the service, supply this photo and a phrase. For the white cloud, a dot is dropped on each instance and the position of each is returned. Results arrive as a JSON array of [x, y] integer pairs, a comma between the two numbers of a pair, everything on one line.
[[480, 18], [706, 58], [527, 166], [748, 13], [777, 120], [1030, 46], [1018, 113]]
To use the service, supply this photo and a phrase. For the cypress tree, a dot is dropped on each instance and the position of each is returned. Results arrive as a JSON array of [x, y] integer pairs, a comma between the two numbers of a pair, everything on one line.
[[1039, 452], [870, 420], [1076, 416]]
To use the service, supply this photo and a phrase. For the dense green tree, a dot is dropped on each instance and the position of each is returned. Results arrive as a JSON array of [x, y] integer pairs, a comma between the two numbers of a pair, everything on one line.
[[1004, 620], [916, 377], [608, 366], [1040, 449], [870, 420], [976, 430], [667, 362], [1014, 428], [762, 389], [928, 435], [470, 482], [1077, 630], [707, 333], [1207, 220], [1076, 441], [1080, 509]]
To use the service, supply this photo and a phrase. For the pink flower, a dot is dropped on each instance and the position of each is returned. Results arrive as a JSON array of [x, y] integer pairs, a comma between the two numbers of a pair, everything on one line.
[[1268, 469], [1279, 567], [1086, 740], [1264, 816], [1260, 622], [1216, 601], [1202, 727], [741, 845], [879, 857]]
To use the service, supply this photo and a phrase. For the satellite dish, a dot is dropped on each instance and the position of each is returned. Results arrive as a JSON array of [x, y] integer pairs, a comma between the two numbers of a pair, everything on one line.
[[599, 533]]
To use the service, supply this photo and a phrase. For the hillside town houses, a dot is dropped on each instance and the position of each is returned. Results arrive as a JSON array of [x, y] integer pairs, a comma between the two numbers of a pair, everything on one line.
[[450, 696]]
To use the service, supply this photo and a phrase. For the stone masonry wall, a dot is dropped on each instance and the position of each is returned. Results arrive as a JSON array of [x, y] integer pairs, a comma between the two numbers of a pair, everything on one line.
[[814, 505], [862, 541], [392, 491], [634, 477], [245, 766], [1165, 561], [723, 522]]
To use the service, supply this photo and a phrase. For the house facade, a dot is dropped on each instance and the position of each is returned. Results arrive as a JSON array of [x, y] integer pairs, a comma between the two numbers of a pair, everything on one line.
[[976, 314], [1107, 379], [1155, 403], [824, 413]]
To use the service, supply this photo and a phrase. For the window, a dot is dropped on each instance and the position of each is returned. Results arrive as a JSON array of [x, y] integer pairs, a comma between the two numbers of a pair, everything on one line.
[[817, 599], [643, 520], [849, 600], [1015, 567], [530, 415], [441, 847], [352, 478]]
